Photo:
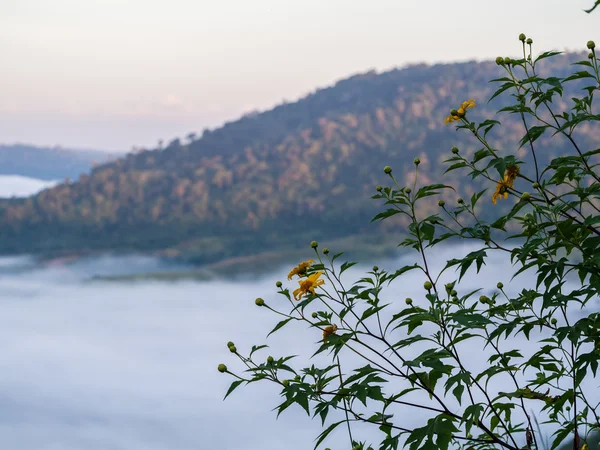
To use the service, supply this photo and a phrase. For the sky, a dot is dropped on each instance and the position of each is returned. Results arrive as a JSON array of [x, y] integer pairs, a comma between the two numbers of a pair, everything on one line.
[[114, 74]]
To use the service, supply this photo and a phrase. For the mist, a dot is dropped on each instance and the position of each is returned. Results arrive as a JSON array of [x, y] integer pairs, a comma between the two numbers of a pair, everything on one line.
[[132, 365]]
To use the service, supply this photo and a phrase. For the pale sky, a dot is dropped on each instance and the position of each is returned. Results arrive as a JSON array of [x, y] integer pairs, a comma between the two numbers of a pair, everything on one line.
[[112, 74]]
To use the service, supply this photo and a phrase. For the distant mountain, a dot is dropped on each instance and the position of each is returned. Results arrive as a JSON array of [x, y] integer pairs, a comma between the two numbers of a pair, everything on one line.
[[49, 163], [277, 179]]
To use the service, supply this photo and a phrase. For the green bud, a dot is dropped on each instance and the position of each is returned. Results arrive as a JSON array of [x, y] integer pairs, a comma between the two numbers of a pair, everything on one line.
[[568, 408], [590, 55], [535, 185], [453, 112], [507, 60], [408, 190], [500, 60], [500, 285], [278, 284], [230, 344], [441, 203], [375, 268], [526, 196], [448, 286], [314, 244], [455, 150], [270, 359], [483, 299], [297, 378], [529, 41], [379, 188], [408, 301], [460, 201], [259, 302], [326, 251], [233, 349], [454, 299], [591, 45], [553, 321], [286, 383], [387, 170], [222, 368], [427, 285], [417, 161], [314, 315], [522, 37], [453, 293]]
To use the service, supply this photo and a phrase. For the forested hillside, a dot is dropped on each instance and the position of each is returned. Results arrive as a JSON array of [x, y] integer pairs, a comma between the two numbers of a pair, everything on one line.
[[49, 163], [280, 178]]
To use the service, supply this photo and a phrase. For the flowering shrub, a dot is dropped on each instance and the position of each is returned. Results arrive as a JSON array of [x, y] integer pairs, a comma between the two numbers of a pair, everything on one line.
[[554, 232]]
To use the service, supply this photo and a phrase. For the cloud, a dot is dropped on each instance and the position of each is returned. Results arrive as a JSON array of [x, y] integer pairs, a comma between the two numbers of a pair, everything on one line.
[[132, 366]]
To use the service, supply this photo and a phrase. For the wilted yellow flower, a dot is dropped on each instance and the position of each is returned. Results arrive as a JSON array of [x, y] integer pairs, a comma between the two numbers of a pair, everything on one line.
[[301, 269], [506, 183], [457, 114], [308, 285], [329, 330]]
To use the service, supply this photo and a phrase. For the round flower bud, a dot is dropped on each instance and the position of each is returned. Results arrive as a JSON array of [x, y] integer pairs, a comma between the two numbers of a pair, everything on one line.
[[500, 285], [483, 299], [441, 203], [326, 251], [297, 378], [314, 315], [233, 349], [286, 382], [259, 302], [314, 244], [568, 408], [427, 285], [270, 359], [453, 112], [222, 368], [590, 55], [535, 185], [230, 344], [591, 45], [553, 321], [507, 60], [387, 169], [375, 268], [278, 284], [499, 60], [453, 293], [454, 299], [455, 150], [408, 301], [529, 41], [522, 37], [417, 161], [460, 201], [526, 196], [379, 188], [408, 190]]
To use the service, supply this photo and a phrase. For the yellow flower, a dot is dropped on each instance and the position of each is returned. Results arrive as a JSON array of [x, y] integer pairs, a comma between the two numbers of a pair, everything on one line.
[[457, 114], [505, 184], [585, 447], [329, 330], [308, 286], [301, 269]]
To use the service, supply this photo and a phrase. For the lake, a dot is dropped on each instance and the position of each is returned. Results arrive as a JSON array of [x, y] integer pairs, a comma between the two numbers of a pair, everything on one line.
[[89, 364]]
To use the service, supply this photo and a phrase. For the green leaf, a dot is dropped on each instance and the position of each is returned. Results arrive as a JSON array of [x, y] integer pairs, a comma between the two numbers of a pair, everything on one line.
[[327, 431], [233, 386], [279, 325]]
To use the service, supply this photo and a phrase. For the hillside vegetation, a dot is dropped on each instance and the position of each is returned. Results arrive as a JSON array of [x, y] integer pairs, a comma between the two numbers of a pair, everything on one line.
[[277, 179], [49, 163]]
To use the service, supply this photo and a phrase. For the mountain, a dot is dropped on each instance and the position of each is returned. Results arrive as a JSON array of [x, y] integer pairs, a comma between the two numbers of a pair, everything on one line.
[[49, 163], [280, 178]]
